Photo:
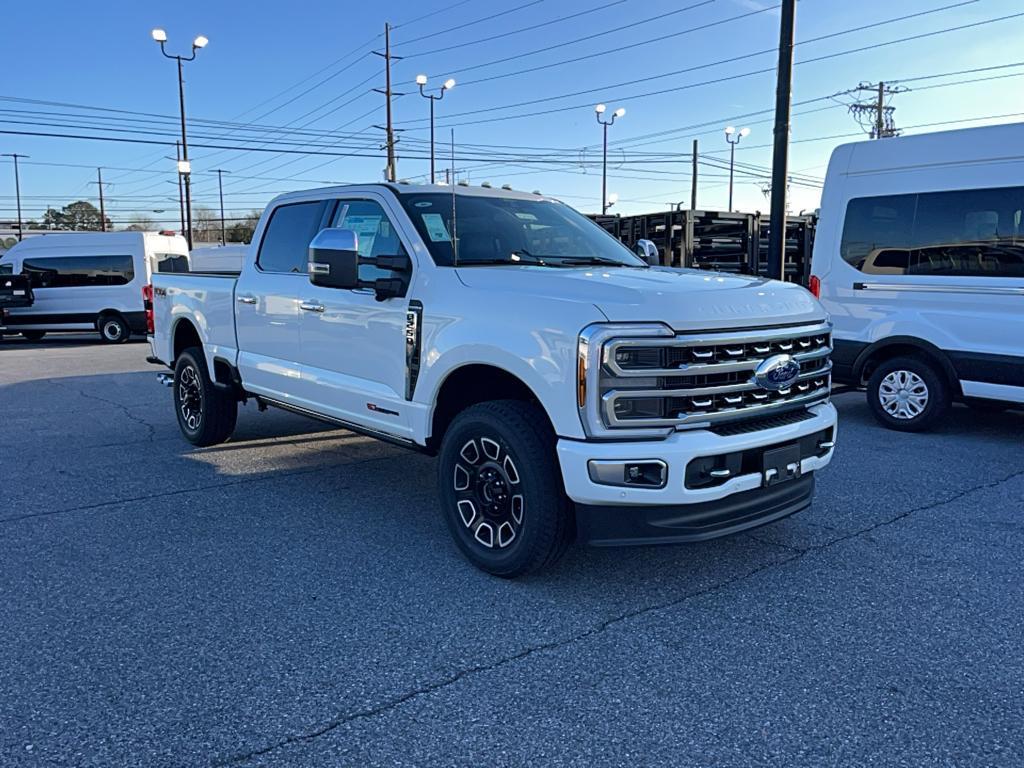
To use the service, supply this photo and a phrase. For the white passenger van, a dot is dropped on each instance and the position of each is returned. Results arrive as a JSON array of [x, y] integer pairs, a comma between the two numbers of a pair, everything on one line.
[[919, 259], [90, 281]]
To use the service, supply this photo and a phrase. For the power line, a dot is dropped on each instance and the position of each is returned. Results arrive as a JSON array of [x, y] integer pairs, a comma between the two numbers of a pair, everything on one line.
[[473, 23]]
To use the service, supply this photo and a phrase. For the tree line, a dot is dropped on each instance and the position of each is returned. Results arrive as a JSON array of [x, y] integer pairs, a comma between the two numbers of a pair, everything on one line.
[[83, 216]]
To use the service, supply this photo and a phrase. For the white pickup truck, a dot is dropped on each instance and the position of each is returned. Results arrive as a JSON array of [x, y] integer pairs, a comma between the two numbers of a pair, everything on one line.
[[569, 389]]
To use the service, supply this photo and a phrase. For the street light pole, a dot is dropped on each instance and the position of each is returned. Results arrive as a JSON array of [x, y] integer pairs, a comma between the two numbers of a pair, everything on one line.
[[17, 188], [599, 110], [421, 81], [729, 133], [184, 167]]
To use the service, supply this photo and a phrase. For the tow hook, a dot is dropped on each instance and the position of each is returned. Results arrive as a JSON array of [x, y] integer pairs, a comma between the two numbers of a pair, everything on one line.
[[167, 379]]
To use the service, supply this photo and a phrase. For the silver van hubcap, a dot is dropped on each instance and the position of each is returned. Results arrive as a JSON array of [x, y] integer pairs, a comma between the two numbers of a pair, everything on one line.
[[112, 331], [903, 394]]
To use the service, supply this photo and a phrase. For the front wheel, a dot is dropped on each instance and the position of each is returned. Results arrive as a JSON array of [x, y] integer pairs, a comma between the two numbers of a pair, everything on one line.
[[206, 414], [501, 488], [908, 394]]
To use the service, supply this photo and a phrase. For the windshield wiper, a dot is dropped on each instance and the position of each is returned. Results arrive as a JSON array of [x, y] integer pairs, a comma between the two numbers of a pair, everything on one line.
[[594, 261], [515, 259]]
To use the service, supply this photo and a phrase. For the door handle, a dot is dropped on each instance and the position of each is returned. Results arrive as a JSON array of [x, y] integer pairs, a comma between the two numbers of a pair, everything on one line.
[[245, 299], [309, 306]]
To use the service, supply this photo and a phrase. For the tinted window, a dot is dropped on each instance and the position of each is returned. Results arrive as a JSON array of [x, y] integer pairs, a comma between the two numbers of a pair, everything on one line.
[[171, 262], [6, 269], [957, 233], [285, 246], [377, 236], [79, 271]]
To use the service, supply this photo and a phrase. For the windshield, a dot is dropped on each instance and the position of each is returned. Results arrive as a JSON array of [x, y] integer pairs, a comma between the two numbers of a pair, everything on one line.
[[502, 230]]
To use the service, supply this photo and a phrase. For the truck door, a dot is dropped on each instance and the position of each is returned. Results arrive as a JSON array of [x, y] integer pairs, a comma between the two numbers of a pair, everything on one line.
[[352, 348], [267, 301]]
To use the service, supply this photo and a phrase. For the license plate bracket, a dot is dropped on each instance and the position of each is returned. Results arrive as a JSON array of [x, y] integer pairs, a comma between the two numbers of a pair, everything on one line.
[[781, 464]]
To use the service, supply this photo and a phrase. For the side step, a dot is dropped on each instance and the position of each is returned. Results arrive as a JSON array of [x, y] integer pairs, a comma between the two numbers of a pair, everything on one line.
[[167, 379]]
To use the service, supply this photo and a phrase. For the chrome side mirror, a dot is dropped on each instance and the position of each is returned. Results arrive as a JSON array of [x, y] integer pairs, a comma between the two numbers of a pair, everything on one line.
[[334, 259], [648, 251]]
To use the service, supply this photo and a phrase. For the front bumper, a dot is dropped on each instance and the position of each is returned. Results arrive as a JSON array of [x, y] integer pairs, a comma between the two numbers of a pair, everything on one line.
[[628, 505]]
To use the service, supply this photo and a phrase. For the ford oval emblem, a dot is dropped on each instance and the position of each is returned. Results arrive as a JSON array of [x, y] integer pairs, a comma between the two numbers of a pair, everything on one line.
[[777, 372]]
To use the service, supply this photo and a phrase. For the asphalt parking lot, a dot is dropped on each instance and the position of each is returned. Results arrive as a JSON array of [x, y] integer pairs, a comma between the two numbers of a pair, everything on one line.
[[291, 598]]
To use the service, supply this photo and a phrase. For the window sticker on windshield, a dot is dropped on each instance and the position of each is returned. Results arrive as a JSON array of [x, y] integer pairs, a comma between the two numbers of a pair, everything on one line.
[[526, 216], [435, 228]]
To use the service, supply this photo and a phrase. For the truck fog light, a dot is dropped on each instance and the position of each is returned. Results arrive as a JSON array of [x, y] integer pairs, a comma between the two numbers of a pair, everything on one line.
[[647, 473]]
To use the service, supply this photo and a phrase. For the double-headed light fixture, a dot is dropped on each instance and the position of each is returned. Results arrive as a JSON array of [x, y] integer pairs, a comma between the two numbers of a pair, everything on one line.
[[733, 137], [599, 112], [184, 166], [421, 81]]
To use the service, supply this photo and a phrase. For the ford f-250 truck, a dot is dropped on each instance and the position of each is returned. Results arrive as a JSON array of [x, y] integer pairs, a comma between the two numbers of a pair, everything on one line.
[[569, 389]]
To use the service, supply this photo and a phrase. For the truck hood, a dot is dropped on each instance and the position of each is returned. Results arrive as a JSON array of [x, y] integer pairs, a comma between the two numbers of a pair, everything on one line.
[[685, 299]]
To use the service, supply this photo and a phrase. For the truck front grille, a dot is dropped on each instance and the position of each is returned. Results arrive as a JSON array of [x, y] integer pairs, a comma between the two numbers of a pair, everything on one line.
[[691, 381]]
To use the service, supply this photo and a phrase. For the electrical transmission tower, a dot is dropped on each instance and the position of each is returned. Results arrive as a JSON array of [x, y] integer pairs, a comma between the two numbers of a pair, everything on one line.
[[875, 114]]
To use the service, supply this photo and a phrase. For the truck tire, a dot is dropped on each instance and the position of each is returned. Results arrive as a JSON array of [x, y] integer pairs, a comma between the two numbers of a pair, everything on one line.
[[908, 394], [113, 328], [501, 488], [206, 414], [33, 335]]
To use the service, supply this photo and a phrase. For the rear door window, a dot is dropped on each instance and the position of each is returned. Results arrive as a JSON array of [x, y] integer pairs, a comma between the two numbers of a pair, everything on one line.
[[285, 244]]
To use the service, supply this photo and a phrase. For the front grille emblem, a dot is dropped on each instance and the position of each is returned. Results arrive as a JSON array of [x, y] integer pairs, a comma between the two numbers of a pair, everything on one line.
[[777, 373]]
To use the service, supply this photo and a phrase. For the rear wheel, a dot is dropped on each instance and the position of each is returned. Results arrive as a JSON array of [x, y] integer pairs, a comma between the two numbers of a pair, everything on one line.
[[908, 394], [33, 335], [501, 489], [113, 329], [206, 414]]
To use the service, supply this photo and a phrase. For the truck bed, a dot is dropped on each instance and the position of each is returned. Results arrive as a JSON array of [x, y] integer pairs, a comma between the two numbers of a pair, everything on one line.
[[206, 300]]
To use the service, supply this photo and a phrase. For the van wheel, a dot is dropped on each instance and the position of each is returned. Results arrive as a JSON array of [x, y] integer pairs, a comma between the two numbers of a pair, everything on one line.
[[33, 335], [206, 414], [908, 394], [501, 488], [113, 329]]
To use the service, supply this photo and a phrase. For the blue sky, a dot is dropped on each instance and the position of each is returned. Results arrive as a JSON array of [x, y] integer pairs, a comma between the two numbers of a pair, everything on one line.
[[263, 58]]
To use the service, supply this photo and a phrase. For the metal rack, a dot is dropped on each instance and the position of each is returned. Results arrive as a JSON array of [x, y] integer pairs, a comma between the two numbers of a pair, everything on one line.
[[719, 240]]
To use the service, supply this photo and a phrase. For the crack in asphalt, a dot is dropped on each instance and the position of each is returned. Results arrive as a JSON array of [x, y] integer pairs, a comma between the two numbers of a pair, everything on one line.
[[151, 430], [797, 554]]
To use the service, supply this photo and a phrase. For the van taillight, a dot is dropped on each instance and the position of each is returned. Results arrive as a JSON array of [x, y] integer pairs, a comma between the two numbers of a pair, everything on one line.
[[147, 304], [815, 286]]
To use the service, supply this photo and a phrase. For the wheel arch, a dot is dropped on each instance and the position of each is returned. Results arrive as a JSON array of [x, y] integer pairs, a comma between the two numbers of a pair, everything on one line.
[[184, 334], [894, 346], [470, 384]]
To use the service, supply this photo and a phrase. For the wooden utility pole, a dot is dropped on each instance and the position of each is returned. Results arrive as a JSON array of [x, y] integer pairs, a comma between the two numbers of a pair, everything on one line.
[[392, 171], [99, 185], [693, 178], [780, 154], [220, 189], [17, 187]]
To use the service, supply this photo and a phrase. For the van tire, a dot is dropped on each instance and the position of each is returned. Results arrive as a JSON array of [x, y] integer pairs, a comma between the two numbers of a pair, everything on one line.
[[498, 469], [206, 414], [908, 394], [113, 328], [33, 335]]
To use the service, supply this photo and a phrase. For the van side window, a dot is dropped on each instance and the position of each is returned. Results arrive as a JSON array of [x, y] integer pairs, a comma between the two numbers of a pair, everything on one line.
[[78, 271], [171, 262], [374, 230], [966, 233], [285, 244]]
